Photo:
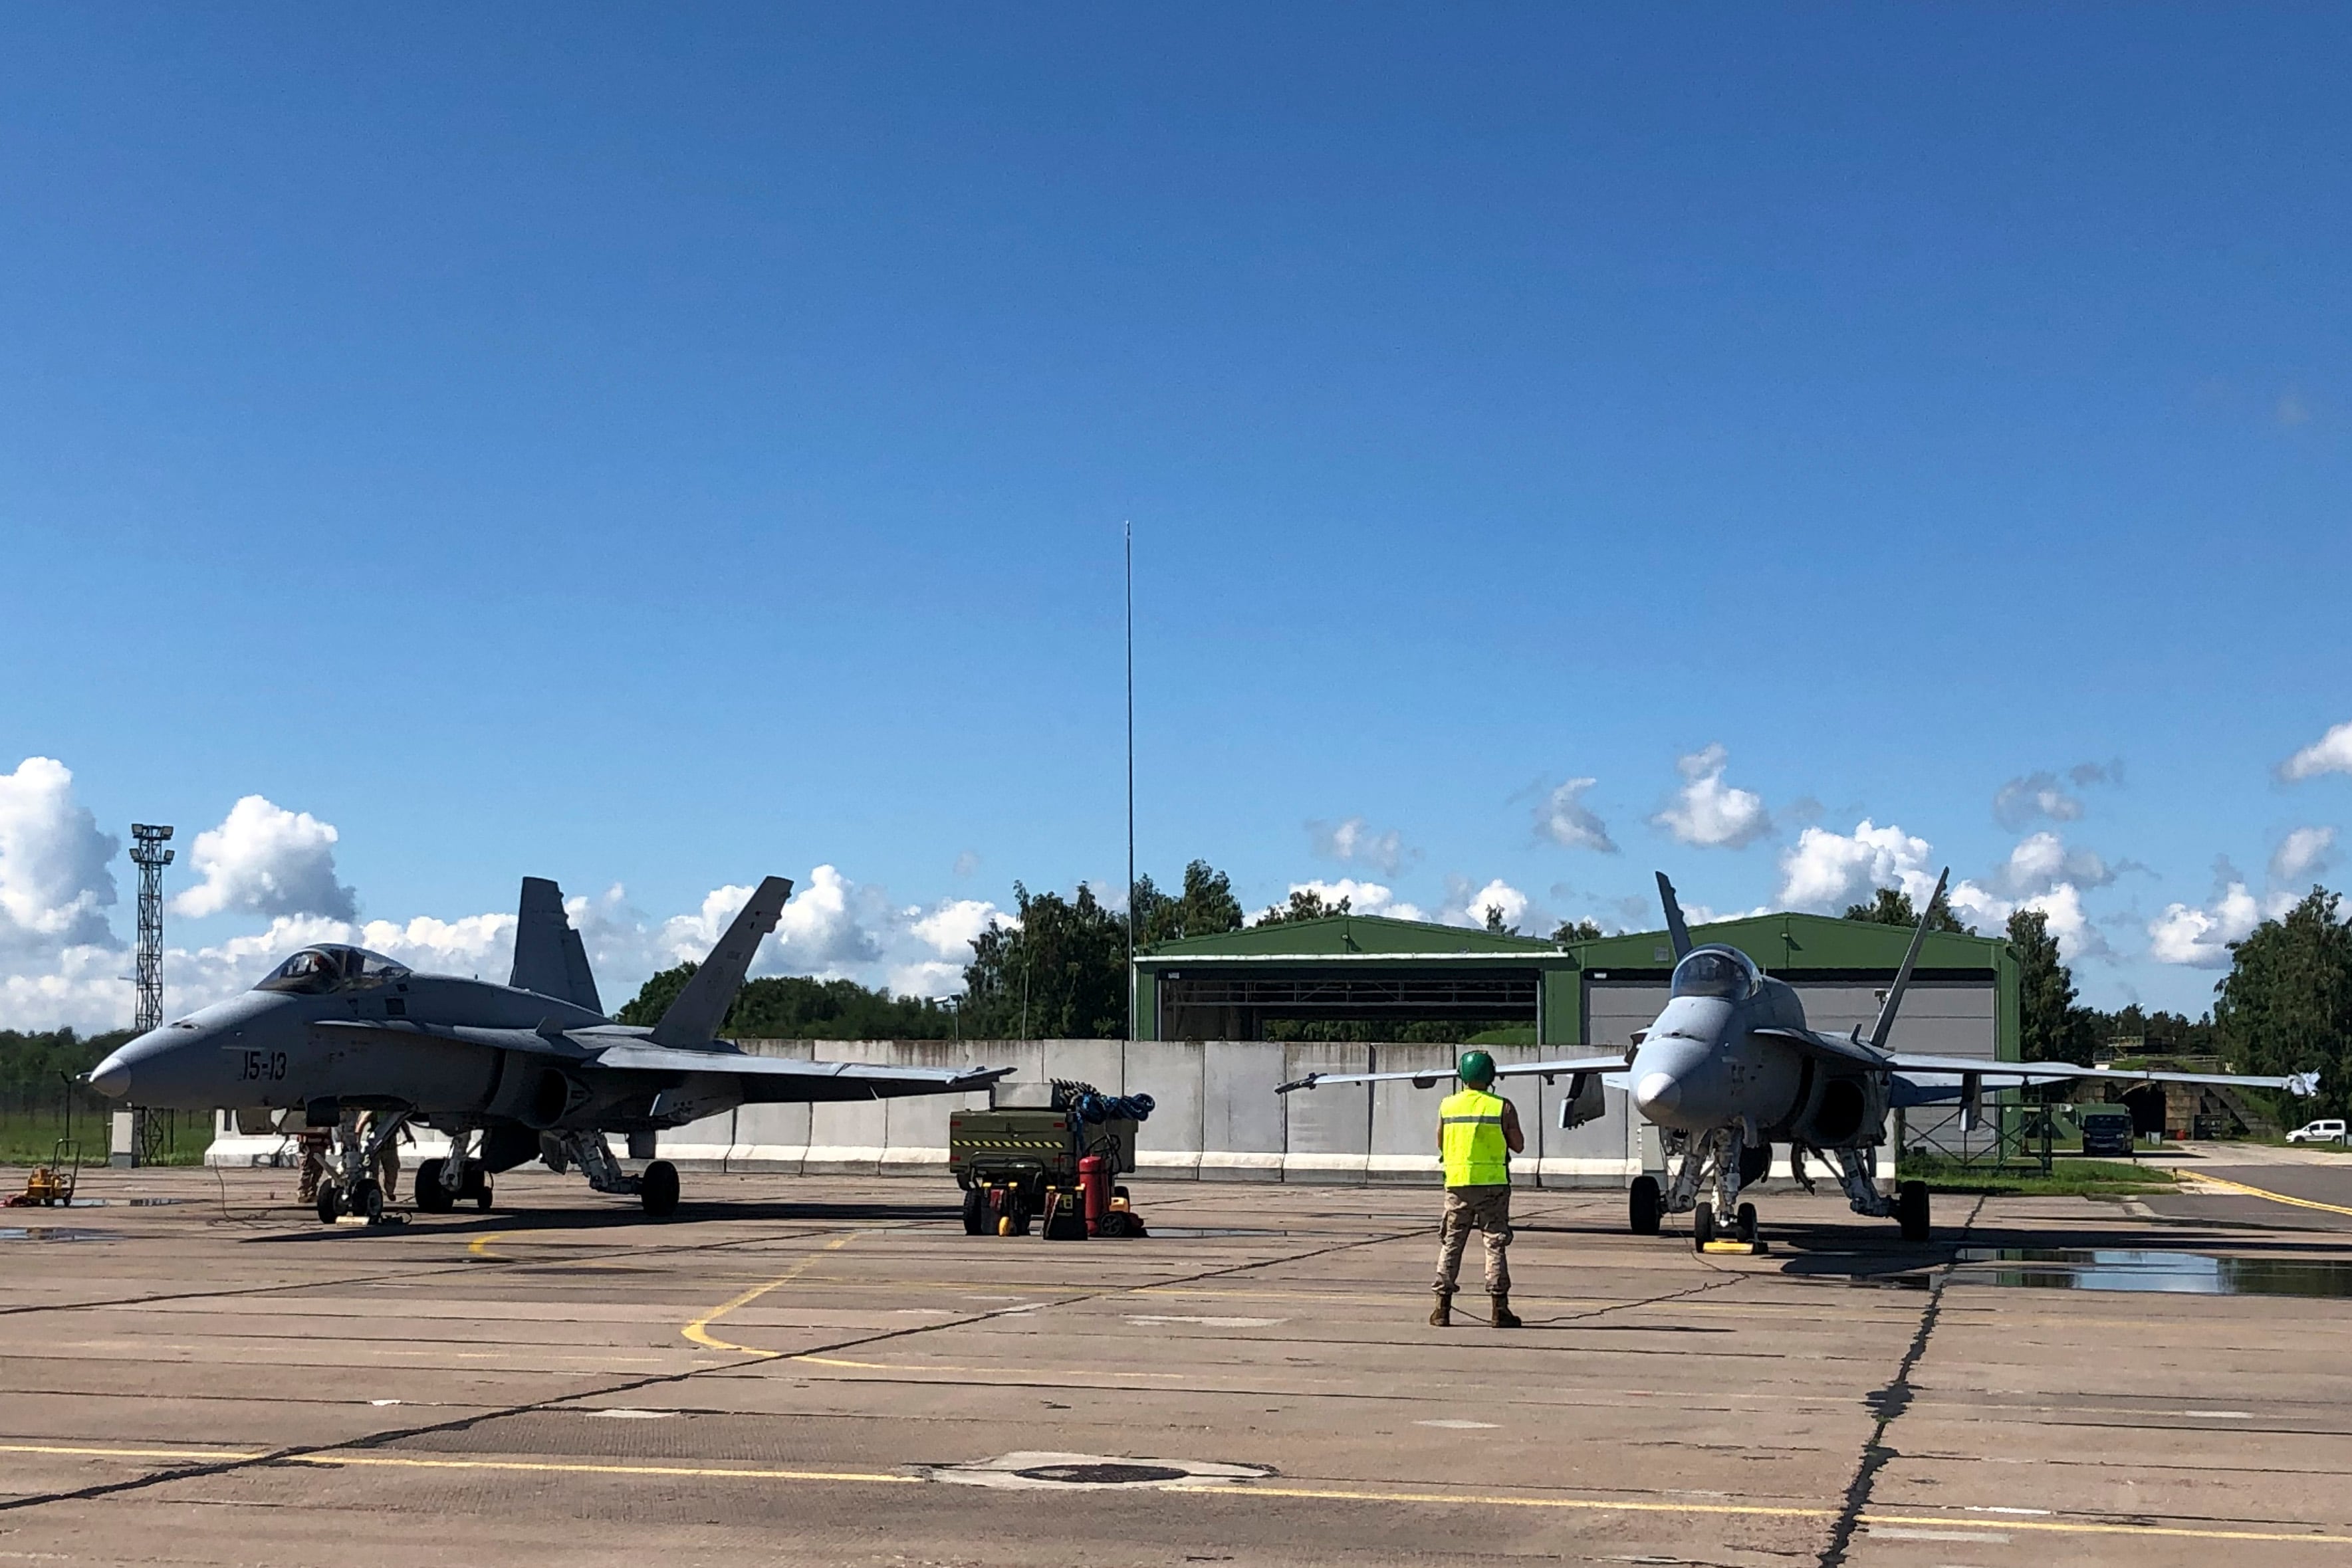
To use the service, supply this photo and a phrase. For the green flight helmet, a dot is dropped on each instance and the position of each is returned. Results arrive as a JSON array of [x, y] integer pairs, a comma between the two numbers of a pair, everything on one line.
[[1476, 1068]]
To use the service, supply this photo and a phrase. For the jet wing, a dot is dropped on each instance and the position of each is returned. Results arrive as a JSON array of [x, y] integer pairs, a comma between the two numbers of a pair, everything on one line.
[[2058, 1072], [774, 1079], [1428, 1078], [1835, 1047]]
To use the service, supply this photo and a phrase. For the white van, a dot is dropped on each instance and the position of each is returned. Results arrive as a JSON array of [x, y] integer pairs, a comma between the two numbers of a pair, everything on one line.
[[2327, 1131]]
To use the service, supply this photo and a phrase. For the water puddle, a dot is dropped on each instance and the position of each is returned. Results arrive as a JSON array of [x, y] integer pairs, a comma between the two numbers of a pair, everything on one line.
[[52, 1233], [2176, 1273]]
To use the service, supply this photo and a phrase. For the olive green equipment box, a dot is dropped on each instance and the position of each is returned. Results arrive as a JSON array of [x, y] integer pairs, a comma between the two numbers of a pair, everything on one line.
[[1010, 1160]]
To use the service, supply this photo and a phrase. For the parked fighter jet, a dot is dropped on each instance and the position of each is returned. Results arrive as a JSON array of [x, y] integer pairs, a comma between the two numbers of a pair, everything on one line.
[[1730, 1067], [528, 1070]]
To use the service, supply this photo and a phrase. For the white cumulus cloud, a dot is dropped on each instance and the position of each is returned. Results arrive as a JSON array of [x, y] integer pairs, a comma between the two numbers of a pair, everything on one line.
[[265, 860], [1363, 897], [1354, 842], [2303, 853], [1708, 812], [54, 875], [2331, 753], [1827, 870], [1564, 819], [1497, 895], [2200, 936], [2042, 861]]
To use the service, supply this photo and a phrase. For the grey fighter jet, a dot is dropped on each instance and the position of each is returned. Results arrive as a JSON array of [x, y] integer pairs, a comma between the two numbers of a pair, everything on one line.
[[1728, 1068], [532, 1068]]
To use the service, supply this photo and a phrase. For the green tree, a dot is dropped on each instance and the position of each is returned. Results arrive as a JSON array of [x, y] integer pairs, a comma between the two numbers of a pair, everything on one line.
[[1205, 907], [1060, 974], [1893, 906], [1495, 924], [2285, 1005], [796, 1007], [1306, 903], [1575, 931], [2054, 1028]]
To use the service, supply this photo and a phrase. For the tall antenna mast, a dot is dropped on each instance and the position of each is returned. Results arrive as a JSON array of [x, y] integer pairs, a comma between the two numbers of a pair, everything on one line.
[[148, 854], [1130, 780]]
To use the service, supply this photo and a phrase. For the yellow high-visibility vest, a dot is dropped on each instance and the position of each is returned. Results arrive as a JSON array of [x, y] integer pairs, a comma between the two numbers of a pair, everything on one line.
[[1470, 1135]]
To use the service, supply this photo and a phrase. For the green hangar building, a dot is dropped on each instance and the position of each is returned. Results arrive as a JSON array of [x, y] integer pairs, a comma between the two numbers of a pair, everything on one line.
[[1247, 993]]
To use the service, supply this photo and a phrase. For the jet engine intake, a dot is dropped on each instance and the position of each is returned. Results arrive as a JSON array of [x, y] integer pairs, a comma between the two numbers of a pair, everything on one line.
[[554, 1095], [1842, 1109]]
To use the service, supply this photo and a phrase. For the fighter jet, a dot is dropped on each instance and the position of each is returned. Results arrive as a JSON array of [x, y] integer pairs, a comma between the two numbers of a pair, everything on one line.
[[532, 1068], [1728, 1068]]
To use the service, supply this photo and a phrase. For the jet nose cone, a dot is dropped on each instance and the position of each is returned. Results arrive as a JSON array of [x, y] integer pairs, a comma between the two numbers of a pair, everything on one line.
[[112, 1077], [1657, 1095]]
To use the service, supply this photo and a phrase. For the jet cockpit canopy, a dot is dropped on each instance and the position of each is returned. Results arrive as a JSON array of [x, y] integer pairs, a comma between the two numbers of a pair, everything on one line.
[[331, 966], [1714, 971]]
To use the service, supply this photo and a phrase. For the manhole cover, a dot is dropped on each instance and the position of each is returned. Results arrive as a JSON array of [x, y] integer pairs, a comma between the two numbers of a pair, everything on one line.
[[1040, 1471], [1104, 1475]]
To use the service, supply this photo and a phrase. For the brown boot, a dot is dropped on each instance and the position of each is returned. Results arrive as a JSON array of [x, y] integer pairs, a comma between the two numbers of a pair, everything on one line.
[[1440, 1316], [1504, 1317]]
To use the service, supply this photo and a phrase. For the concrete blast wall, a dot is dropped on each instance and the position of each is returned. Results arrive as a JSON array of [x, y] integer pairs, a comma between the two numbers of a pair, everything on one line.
[[1218, 1118]]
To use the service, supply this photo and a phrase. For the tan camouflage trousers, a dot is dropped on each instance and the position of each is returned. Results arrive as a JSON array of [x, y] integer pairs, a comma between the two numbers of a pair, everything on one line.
[[1489, 1210]]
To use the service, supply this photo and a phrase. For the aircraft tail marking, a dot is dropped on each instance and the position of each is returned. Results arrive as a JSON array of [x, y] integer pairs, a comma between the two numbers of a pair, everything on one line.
[[1675, 929], [1886, 1025], [693, 1019], [548, 956]]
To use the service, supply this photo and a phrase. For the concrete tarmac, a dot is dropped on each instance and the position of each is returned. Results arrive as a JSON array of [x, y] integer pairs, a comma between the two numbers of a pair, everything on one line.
[[828, 1371]]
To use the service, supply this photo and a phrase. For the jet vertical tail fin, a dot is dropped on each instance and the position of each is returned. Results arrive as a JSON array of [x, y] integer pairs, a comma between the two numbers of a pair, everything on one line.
[[1886, 1025], [1675, 929], [548, 956], [693, 1018]]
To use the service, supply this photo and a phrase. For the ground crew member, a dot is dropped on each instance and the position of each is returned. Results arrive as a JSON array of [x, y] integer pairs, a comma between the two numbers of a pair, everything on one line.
[[1477, 1132]]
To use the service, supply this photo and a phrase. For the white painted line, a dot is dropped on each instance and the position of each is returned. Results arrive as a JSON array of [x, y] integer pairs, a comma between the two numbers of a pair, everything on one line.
[[1979, 1537], [1996, 1507], [1460, 1426], [620, 1414], [1147, 1318]]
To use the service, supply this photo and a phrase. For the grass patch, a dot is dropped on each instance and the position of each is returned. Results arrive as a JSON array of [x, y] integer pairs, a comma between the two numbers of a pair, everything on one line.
[[28, 1140], [2067, 1178]]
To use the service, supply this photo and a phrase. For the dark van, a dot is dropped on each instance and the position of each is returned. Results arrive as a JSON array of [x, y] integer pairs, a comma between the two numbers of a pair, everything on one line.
[[2106, 1129]]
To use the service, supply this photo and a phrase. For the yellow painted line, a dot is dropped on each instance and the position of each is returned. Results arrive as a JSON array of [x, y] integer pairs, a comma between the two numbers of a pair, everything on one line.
[[77, 1451], [2100, 1527], [699, 1330], [575, 1468], [480, 1247], [339, 1459], [1471, 1500], [2273, 1197]]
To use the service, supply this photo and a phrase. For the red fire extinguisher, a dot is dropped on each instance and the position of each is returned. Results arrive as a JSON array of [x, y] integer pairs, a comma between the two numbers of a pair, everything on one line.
[[1094, 1184]]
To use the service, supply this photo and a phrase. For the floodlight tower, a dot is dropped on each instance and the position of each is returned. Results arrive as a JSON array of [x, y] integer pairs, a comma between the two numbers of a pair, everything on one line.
[[148, 854]]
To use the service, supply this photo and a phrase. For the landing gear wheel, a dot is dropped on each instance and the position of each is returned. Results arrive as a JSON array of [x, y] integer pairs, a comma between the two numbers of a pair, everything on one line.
[[329, 1203], [430, 1195], [975, 1212], [1747, 1223], [1911, 1210], [659, 1188], [1646, 1204], [477, 1185], [1702, 1225], [367, 1202]]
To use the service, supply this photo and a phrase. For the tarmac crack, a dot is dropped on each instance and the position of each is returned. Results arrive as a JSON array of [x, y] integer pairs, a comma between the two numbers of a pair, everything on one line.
[[1887, 1406]]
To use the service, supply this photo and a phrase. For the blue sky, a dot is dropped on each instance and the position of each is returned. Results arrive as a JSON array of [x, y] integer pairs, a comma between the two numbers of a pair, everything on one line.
[[655, 446]]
